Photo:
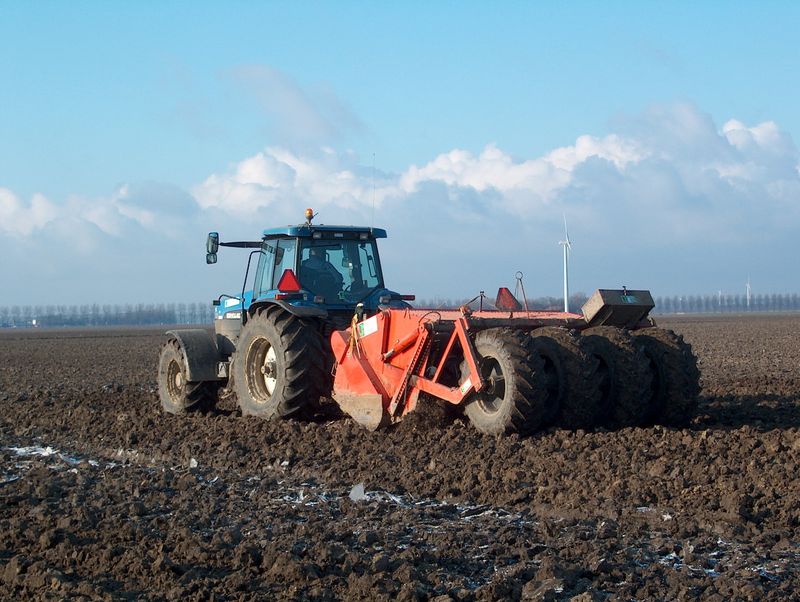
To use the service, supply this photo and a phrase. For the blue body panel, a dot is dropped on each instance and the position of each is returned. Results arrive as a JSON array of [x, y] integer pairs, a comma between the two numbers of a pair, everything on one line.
[[305, 231], [371, 302]]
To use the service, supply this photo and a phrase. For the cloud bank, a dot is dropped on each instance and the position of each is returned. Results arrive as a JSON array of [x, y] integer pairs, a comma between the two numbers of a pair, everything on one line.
[[670, 201]]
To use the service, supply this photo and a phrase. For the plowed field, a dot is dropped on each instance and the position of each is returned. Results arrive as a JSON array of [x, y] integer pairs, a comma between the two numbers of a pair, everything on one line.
[[104, 497]]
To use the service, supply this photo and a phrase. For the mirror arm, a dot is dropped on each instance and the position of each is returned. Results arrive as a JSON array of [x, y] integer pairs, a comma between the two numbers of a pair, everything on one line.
[[243, 244]]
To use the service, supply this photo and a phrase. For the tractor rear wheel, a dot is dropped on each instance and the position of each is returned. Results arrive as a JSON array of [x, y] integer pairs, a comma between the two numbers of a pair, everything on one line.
[[511, 400], [573, 378], [676, 378], [176, 393], [625, 376], [278, 367]]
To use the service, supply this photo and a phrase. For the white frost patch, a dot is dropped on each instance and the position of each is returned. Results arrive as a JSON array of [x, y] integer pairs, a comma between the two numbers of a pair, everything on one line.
[[33, 451], [357, 493], [47, 452], [311, 494]]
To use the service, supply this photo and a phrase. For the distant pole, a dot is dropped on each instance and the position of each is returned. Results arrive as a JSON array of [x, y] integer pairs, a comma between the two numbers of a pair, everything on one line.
[[567, 244], [566, 278], [748, 291]]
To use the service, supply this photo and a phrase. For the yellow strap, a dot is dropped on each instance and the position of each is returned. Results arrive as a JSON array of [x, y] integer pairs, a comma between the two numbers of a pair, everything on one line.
[[354, 348]]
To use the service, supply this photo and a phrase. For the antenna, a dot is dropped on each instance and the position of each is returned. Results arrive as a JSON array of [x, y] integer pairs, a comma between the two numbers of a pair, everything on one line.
[[373, 190], [748, 291], [567, 245]]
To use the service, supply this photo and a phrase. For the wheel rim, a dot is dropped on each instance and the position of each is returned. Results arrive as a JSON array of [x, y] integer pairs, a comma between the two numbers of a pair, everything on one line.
[[491, 397], [262, 370], [176, 382]]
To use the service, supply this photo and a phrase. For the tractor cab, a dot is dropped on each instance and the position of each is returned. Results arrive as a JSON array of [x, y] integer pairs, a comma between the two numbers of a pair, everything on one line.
[[311, 271]]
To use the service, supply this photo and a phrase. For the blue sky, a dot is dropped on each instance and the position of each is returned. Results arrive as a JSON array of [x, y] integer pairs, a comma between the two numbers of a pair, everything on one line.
[[127, 130]]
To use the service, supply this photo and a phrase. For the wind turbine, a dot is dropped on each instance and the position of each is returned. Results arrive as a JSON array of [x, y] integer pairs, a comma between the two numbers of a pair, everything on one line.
[[567, 245], [748, 291]]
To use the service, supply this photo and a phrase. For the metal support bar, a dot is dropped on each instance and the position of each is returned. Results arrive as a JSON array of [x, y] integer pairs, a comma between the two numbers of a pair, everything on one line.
[[449, 394], [445, 355], [461, 327]]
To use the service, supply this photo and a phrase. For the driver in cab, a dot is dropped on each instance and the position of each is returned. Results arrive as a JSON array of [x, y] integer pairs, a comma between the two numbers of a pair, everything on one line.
[[319, 275]]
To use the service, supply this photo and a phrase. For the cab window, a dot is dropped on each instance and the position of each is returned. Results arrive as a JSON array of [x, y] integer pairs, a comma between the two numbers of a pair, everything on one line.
[[266, 267], [284, 258], [342, 269]]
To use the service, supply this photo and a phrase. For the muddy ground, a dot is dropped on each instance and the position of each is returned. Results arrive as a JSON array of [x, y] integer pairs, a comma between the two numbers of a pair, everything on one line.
[[104, 497]]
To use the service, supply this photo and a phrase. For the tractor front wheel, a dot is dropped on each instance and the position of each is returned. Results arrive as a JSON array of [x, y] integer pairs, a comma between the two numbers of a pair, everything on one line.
[[278, 368], [511, 400], [177, 394]]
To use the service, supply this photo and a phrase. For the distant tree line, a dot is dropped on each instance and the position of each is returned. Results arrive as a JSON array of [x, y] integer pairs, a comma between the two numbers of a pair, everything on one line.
[[105, 315], [726, 303], [203, 313]]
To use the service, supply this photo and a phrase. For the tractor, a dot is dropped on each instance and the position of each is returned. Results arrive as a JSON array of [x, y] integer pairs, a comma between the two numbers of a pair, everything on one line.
[[319, 324]]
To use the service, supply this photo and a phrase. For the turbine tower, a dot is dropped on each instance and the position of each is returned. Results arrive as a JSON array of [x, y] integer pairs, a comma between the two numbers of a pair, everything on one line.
[[567, 245], [748, 291]]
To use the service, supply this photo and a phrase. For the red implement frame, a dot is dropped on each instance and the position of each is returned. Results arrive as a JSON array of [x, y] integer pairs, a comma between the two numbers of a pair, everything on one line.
[[387, 361]]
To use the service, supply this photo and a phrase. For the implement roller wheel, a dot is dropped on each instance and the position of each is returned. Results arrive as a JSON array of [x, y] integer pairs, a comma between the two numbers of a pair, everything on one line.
[[511, 400], [573, 379], [626, 376], [279, 365], [676, 378], [177, 395]]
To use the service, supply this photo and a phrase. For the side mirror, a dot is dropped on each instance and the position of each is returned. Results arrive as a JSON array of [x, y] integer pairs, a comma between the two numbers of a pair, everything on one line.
[[211, 258], [212, 244]]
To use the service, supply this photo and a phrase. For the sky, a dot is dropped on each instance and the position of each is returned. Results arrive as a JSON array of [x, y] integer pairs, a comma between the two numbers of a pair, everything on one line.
[[665, 133]]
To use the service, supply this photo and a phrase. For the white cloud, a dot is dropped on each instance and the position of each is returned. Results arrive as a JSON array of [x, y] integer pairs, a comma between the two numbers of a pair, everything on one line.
[[672, 159], [20, 219], [278, 177]]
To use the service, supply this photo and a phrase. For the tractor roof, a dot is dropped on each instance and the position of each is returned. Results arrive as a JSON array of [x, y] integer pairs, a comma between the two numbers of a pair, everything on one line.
[[304, 230]]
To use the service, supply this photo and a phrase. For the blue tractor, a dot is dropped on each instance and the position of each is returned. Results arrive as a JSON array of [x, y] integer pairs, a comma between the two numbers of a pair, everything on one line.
[[271, 344]]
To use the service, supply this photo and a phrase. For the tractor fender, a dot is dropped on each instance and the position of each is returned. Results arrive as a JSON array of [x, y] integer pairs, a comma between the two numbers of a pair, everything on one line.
[[301, 311], [200, 353]]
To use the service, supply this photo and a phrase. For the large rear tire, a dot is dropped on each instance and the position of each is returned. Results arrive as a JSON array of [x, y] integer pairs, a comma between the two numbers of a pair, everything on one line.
[[676, 378], [278, 367], [573, 378], [178, 395], [625, 376], [511, 401]]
